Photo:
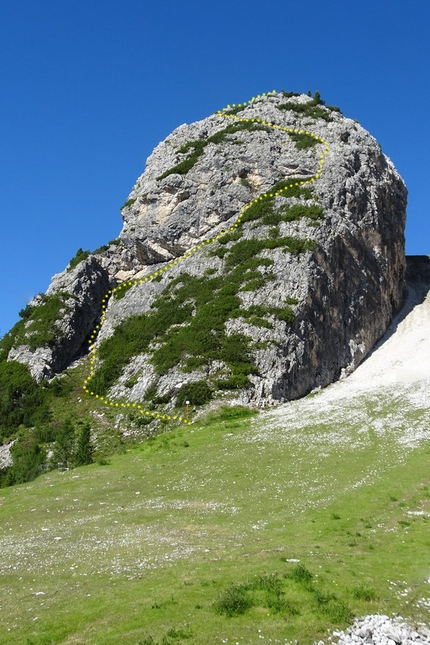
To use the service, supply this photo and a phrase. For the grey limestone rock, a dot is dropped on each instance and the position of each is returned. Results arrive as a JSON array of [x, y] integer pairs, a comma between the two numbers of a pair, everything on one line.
[[5, 456], [84, 287], [347, 281]]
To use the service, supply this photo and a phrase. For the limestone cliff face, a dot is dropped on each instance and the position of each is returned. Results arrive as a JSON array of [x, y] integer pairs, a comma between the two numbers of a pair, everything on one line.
[[80, 292], [302, 288]]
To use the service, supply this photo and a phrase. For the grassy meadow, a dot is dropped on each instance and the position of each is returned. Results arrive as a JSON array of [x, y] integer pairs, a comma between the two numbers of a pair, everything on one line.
[[242, 528]]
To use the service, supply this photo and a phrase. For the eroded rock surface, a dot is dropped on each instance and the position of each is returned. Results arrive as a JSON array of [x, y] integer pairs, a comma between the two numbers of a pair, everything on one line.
[[83, 288], [341, 271]]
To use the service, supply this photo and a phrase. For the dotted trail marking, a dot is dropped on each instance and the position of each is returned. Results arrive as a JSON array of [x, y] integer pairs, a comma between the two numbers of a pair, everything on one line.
[[137, 406]]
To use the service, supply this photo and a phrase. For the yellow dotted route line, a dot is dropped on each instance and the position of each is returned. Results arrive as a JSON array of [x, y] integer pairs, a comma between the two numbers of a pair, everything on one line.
[[189, 253]]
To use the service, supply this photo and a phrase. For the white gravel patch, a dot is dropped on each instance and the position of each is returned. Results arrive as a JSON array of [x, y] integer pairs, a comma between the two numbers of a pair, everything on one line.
[[377, 629], [396, 375]]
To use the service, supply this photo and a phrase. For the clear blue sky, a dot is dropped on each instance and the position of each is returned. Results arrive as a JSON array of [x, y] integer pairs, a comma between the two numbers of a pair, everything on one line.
[[89, 87]]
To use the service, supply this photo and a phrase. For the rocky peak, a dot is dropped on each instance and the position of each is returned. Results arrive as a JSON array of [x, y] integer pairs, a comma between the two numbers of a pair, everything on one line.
[[287, 299]]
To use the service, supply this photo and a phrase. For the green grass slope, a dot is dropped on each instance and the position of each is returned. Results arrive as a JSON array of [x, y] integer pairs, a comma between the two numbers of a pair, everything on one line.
[[236, 529]]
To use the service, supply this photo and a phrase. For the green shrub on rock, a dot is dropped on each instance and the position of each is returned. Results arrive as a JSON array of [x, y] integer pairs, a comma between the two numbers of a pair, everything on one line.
[[197, 393], [28, 460], [302, 140], [22, 400], [79, 257]]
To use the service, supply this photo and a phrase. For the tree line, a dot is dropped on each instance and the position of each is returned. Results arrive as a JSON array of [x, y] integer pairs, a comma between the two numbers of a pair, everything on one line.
[[69, 450]]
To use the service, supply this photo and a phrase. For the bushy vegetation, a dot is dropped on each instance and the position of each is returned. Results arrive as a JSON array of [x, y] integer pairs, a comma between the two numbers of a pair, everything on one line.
[[298, 211], [26, 404], [38, 326], [290, 189], [302, 140], [310, 110], [122, 289], [29, 416], [22, 400], [129, 202], [289, 95], [231, 237], [82, 255], [105, 247], [234, 601], [264, 208], [256, 280], [8, 340], [235, 110], [187, 321], [280, 594], [84, 449], [44, 318], [258, 210], [198, 146], [314, 109], [28, 462], [29, 452], [133, 337], [256, 314], [79, 257], [197, 393], [64, 446], [183, 167], [132, 381], [245, 250], [204, 336]]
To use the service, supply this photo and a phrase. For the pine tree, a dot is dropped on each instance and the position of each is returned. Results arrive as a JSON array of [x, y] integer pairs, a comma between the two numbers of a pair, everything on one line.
[[84, 452], [28, 460], [317, 99], [64, 444]]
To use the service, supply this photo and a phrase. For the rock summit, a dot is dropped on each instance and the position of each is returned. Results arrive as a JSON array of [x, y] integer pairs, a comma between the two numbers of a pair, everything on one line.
[[291, 299]]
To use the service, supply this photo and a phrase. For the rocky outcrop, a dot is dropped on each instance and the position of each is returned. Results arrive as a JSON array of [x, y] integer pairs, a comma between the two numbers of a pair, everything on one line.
[[348, 287], [6, 460], [82, 290], [297, 294]]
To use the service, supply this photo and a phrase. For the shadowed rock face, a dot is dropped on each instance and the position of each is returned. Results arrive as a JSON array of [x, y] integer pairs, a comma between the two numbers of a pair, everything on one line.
[[347, 285], [85, 287]]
